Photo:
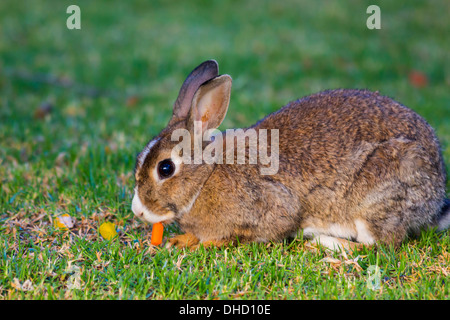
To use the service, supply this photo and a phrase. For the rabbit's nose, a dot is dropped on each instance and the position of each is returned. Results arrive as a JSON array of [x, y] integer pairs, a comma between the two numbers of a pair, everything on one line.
[[140, 214]]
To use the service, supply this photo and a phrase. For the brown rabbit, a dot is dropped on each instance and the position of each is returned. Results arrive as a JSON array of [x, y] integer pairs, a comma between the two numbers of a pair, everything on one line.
[[352, 166]]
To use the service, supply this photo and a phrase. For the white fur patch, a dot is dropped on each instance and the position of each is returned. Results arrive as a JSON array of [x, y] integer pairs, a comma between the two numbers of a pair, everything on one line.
[[363, 233], [145, 214], [340, 231], [146, 151], [328, 236], [334, 230]]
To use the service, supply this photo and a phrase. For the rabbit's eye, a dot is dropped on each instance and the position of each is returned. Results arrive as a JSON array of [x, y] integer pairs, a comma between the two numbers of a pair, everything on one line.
[[166, 168]]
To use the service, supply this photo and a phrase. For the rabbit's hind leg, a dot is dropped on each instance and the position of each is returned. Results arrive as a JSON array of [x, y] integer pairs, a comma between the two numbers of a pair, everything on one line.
[[212, 243], [399, 190], [337, 244]]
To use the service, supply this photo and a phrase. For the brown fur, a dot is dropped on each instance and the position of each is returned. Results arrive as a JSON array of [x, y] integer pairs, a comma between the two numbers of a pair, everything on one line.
[[344, 155]]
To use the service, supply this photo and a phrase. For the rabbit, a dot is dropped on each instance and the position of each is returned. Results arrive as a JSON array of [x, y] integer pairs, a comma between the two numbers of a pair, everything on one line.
[[355, 168]]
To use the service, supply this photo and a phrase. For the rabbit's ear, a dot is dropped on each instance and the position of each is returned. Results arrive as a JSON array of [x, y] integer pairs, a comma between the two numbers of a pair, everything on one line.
[[204, 72], [210, 103]]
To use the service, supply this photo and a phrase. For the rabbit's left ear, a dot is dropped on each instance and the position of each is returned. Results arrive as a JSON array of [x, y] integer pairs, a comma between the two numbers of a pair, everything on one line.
[[204, 72], [210, 103]]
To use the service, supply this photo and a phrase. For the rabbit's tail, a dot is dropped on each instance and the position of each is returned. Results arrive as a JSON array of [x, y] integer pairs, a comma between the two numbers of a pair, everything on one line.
[[444, 217]]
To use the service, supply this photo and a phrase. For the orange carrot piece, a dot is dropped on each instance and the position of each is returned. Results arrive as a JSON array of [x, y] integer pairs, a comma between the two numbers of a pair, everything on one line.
[[157, 233]]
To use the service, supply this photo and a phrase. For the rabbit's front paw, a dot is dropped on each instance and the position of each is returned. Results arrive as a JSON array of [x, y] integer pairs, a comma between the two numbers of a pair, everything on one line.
[[182, 241]]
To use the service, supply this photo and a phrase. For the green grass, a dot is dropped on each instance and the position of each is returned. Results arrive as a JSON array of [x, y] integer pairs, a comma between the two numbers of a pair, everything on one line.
[[111, 86]]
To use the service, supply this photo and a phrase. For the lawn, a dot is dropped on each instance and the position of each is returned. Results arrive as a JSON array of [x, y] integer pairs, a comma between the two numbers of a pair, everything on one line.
[[76, 106]]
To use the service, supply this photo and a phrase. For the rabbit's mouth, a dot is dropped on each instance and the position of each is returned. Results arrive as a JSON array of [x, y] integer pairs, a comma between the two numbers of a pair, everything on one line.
[[146, 215]]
